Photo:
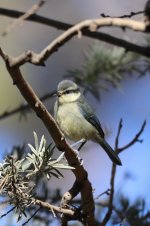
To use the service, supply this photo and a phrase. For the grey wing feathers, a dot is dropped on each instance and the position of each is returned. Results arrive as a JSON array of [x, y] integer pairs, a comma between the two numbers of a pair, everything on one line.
[[95, 122], [90, 116]]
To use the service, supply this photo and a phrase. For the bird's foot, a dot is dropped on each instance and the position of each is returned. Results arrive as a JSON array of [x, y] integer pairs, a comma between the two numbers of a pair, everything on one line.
[[81, 142], [76, 152]]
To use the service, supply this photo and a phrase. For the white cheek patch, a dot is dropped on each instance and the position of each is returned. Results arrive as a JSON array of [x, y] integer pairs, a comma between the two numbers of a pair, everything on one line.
[[69, 97]]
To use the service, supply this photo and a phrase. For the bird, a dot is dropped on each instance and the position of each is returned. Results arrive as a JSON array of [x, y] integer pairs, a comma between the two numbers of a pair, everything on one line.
[[76, 119]]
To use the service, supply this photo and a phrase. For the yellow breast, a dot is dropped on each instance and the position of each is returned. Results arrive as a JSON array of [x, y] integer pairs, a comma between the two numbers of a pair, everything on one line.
[[73, 124]]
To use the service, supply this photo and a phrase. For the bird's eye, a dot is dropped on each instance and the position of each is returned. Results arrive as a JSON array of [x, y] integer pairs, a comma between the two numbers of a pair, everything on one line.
[[68, 91], [71, 91]]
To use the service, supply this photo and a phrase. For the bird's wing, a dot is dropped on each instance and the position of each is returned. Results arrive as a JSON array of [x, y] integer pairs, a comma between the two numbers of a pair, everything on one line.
[[95, 122], [90, 116]]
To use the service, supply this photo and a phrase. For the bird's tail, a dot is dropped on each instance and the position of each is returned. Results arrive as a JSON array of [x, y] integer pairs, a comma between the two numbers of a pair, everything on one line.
[[110, 152]]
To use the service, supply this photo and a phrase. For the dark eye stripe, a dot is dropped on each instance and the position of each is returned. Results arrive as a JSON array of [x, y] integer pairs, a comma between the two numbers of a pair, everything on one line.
[[71, 91]]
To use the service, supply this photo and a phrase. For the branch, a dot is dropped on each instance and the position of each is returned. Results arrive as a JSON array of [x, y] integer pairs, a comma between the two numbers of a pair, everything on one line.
[[73, 160], [145, 51], [92, 25], [69, 195], [112, 181], [107, 192], [134, 140], [24, 107], [123, 16], [72, 213], [113, 170], [111, 196], [23, 17], [26, 222], [9, 211], [118, 133]]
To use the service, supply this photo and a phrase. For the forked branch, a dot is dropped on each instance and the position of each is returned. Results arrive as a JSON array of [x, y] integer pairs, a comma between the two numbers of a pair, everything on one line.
[[114, 167]]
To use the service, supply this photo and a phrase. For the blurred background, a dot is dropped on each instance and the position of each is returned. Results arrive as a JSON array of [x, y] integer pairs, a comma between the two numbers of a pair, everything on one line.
[[130, 101]]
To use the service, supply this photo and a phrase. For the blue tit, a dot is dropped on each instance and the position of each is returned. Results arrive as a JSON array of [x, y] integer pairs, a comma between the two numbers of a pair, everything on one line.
[[76, 118]]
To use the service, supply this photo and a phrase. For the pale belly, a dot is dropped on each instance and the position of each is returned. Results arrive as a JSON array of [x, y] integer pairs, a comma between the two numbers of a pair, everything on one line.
[[73, 124]]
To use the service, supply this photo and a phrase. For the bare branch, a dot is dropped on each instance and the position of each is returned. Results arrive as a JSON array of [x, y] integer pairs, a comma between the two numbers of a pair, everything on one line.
[[9, 211], [61, 143], [53, 207], [134, 140], [107, 192], [66, 211], [69, 195], [93, 25], [113, 170], [145, 51], [31, 217], [118, 134], [111, 197], [19, 21], [25, 107], [112, 181], [123, 16]]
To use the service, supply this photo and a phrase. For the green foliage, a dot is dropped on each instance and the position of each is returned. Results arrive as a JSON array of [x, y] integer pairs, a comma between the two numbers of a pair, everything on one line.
[[18, 176], [41, 160], [107, 66]]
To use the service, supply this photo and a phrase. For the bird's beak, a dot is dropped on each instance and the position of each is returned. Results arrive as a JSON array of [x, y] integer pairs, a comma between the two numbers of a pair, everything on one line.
[[58, 94]]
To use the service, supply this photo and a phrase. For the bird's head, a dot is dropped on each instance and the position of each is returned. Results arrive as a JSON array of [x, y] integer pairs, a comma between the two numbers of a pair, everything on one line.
[[68, 91]]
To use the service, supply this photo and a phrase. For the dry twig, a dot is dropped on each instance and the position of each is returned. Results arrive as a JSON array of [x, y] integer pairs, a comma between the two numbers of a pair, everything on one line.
[[129, 46], [123, 16], [134, 140], [9, 211], [23, 108], [25, 16], [113, 170], [93, 25]]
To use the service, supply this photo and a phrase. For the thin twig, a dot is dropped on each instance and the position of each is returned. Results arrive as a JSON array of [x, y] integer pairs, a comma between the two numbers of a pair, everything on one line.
[[112, 181], [31, 216], [25, 16], [51, 207], [118, 133], [134, 140], [107, 192], [113, 170], [110, 205], [24, 107], [9, 211], [123, 16]]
